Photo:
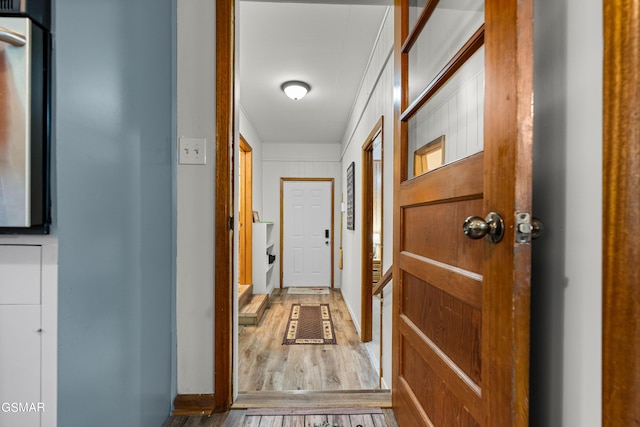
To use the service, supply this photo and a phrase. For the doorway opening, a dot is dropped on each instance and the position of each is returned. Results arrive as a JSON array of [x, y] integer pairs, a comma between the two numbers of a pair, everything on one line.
[[245, 213], [269, 365], [292, 161], [372, 208]]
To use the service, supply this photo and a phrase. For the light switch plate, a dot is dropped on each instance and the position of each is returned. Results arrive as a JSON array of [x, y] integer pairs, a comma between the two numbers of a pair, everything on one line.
[[193, 151]]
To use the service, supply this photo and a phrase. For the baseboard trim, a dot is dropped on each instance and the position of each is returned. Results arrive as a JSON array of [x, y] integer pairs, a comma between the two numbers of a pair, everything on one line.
[[193, 404]]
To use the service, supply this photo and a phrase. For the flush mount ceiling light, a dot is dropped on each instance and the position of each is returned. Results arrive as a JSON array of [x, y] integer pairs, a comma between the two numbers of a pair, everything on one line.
[[295, 89]]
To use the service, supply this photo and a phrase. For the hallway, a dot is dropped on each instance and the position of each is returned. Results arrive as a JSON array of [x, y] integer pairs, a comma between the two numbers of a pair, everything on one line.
[[265, 364], [302, 385]]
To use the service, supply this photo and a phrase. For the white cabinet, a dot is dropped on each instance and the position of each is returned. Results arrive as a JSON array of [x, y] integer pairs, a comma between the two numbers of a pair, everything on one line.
[[264, 257], [28, 333]]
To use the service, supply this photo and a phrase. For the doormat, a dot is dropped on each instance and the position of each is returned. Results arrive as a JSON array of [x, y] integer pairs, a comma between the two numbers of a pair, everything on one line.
[[308, 291], [309, 324]]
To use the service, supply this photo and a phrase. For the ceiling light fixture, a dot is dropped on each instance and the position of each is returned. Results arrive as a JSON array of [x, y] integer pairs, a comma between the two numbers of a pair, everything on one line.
[[295, 89]]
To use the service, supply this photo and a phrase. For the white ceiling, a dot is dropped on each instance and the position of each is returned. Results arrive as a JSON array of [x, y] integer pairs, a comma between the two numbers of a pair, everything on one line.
[[326, 45]]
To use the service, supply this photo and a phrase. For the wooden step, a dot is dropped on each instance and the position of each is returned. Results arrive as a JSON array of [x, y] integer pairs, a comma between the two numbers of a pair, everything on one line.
[[253, 310], [244, 294]]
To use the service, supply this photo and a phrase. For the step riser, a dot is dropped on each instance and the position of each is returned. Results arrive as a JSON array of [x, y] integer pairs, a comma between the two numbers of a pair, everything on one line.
[[245, 295], [252, 312]]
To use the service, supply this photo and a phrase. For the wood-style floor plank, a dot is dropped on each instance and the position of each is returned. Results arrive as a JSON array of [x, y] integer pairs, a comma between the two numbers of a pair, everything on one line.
[[299, 385], [303, 418], [252, 421], [265, 364], [293, 421], [214, 420], [341, 420], [310, 420], [379, 420], [235, 418], [362, 420]]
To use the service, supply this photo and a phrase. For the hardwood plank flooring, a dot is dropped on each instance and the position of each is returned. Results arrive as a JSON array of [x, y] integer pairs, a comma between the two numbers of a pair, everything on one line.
[[243, 418], [317, 383], [265, 364]]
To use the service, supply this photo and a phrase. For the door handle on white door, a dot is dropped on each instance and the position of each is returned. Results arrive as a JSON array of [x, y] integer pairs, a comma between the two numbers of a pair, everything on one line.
[[492, 227]]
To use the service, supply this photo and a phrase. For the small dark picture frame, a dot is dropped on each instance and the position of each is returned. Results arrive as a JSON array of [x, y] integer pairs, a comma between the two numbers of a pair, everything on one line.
[[351, 181], [256, 217]]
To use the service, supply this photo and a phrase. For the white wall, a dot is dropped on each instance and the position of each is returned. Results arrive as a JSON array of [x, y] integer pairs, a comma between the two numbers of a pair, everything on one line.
[[566, 348], [195, 197], [375, 100], [298, 161]]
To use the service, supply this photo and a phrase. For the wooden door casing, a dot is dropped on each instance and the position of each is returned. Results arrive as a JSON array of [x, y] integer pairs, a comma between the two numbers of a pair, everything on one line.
[[366, 285], [621, 149], [223, 283], [461, 307]]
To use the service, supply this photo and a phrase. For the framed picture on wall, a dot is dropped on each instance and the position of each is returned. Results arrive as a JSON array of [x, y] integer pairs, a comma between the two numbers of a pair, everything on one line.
[[351, 181]]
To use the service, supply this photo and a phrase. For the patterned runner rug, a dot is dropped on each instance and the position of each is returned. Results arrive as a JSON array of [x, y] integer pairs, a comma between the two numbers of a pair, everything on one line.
[[309, 324]]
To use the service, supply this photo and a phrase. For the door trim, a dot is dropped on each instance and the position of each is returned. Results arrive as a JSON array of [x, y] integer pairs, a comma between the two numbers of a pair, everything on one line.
[[510, 336], [620, 278], [282, 181], [223, 242], [366, 286]]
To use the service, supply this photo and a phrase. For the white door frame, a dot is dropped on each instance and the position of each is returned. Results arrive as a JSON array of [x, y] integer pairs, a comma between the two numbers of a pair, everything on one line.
[[331, 241]]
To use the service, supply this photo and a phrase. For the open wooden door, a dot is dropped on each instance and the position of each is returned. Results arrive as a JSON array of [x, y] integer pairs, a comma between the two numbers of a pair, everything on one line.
[[461, 306], [245, 214]]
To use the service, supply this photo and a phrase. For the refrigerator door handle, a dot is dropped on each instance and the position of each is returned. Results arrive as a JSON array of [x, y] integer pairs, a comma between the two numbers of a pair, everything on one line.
[[11, 37]]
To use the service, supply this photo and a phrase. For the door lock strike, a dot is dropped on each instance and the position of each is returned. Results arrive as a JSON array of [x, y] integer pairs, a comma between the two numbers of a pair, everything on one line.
[[523, 227]]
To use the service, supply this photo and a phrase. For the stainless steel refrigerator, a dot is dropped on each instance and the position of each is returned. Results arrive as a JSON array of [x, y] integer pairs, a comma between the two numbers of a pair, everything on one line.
[[25, 104]]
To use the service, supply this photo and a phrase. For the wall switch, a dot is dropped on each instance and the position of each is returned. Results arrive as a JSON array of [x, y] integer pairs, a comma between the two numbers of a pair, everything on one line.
[[193, 151]]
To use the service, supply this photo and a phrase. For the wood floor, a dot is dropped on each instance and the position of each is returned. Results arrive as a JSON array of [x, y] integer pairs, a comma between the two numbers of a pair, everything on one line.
[[289, 418], [265, 364], [317, 384]]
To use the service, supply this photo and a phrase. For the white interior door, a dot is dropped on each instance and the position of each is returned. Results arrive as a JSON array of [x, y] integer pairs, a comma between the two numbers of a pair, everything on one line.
[[306, 232]]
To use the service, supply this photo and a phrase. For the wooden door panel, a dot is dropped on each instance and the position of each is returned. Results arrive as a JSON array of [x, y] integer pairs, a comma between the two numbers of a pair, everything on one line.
[[465, 181], [453, 380], [462, 285], [440, 396], [451, 325], [435, 232]]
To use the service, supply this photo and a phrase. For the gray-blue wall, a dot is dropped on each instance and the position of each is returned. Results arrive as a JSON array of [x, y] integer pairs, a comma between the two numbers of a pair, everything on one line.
[[114, 210]]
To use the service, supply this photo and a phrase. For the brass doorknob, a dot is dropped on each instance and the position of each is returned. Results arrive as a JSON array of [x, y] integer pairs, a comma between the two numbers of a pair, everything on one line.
[[492, 227]]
